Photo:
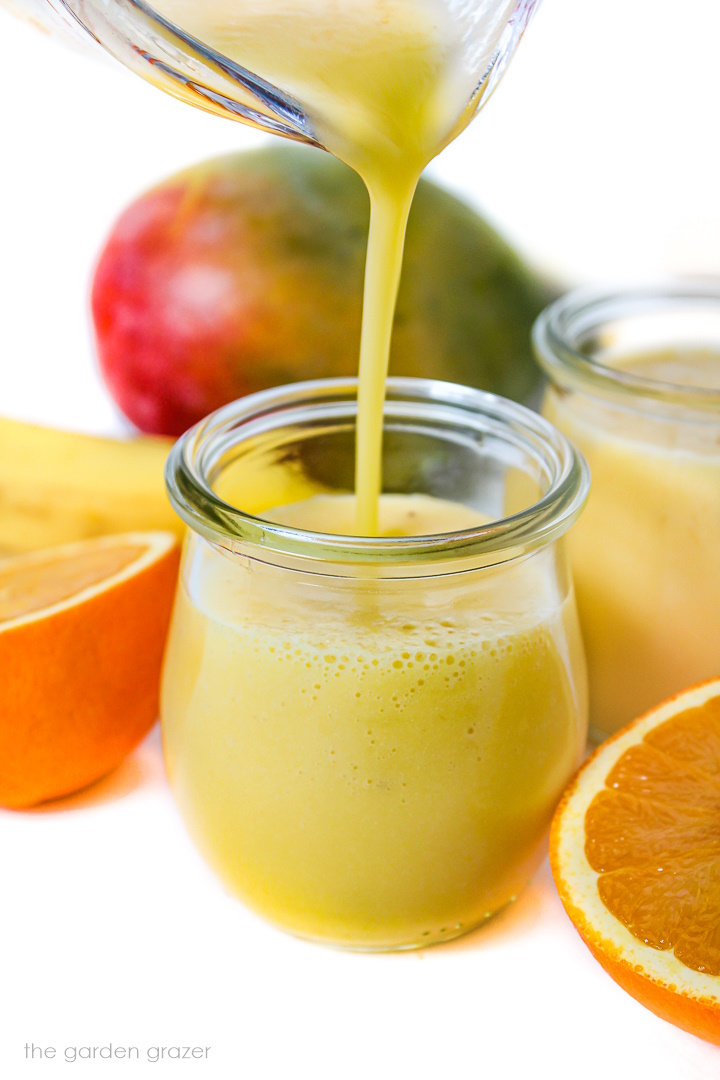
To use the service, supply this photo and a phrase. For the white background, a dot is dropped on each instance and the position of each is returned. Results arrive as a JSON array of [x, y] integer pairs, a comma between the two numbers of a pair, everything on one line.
[[598, 157]]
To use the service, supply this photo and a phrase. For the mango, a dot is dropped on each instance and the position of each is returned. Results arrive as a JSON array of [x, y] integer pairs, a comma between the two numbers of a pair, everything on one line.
[[246, 272]]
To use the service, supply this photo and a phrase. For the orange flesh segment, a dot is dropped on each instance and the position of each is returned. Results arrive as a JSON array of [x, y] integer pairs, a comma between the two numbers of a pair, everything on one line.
[[653, 836], [25, 589]]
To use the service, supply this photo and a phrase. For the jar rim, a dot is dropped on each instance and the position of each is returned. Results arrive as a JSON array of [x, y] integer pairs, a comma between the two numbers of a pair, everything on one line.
[[559, 329], [194, 500]]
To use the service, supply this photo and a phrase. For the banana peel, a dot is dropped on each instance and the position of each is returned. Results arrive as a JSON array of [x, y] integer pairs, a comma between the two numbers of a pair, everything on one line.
[[59, 486]]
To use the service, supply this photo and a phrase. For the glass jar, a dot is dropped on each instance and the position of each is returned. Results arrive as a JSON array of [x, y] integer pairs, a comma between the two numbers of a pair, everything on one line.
[[367, 737], [635, 383]]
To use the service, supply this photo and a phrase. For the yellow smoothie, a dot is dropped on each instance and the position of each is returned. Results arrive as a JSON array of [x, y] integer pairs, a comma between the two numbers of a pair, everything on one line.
[[646, 553], [386, 84], [372, 762]]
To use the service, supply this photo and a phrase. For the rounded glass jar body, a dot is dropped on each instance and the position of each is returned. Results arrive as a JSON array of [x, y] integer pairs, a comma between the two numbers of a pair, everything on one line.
[[635, 383], [367, 737]]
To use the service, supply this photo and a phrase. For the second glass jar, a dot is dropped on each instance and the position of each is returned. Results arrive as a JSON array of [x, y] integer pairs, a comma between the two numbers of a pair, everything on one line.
[[635, 383]]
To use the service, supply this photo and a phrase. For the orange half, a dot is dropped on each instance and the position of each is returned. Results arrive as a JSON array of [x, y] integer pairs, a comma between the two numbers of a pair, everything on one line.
[[635, 853], [82, 635]]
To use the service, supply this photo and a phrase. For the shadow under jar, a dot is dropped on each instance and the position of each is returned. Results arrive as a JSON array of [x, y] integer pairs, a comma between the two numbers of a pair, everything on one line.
[[367, 736], [635, 383]]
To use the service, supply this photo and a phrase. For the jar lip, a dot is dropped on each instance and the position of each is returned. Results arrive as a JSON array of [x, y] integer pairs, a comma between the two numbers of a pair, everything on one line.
[[583, 310], [193, 498]]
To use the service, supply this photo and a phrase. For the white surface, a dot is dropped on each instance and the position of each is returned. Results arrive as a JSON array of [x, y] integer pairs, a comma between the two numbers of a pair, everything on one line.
[[599, 155]]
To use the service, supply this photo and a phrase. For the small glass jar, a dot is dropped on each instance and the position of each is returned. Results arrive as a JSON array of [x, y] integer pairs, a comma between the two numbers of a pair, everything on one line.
[[635, 383], [367, 737]]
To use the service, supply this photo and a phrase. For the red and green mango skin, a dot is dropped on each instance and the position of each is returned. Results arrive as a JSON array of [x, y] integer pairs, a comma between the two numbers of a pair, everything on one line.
[[246, 272]]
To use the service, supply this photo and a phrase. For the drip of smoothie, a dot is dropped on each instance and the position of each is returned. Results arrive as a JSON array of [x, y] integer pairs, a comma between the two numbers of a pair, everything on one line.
[[386, 84]]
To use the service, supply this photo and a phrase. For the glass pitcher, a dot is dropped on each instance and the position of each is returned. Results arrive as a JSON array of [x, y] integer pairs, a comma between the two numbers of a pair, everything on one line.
[[166, 44]]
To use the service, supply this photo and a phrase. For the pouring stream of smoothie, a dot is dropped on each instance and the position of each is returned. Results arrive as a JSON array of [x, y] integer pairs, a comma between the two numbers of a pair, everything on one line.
[[386, 84]]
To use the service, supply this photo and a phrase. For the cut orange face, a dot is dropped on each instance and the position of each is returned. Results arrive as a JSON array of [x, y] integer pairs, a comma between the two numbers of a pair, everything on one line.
[[82, 634], [635, 853]]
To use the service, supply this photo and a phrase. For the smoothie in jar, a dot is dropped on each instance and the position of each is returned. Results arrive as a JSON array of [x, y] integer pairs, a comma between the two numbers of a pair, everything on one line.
[[367, 737], [636, 386]]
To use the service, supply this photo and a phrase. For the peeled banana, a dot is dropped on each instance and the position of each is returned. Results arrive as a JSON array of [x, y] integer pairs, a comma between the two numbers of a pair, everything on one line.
[[58, 486]]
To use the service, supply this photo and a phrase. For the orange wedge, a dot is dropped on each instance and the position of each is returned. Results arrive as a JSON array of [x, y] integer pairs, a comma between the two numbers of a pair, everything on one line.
[[635, 853], [82, 633]]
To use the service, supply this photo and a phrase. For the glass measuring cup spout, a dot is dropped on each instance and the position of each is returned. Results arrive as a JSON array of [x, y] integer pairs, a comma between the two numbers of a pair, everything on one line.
[[230, 57]]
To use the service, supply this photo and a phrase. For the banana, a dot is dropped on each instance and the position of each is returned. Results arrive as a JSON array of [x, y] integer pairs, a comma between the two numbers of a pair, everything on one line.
[[58, 486]]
